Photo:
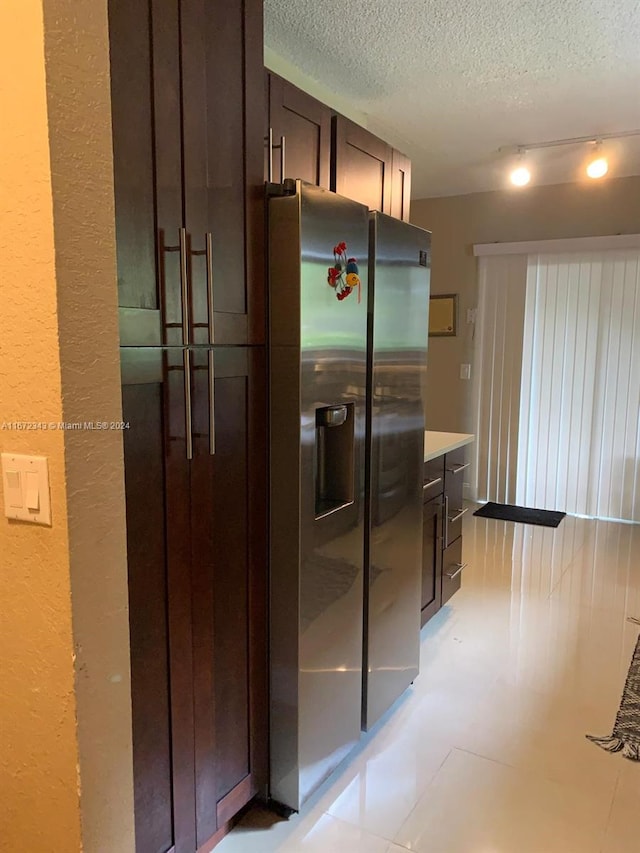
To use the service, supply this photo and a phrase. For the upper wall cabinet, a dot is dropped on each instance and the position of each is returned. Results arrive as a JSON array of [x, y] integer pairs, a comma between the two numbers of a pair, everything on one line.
[[187, 136], [369, 170], [311, 142], [361, 165], [298, 135], [400, 185]]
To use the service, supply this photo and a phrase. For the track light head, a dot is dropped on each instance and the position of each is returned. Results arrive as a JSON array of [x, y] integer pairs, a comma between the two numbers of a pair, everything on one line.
[[599, 166], [520, 175]]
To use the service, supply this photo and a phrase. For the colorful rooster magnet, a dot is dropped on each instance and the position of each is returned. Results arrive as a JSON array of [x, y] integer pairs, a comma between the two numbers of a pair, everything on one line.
[[343, 275]]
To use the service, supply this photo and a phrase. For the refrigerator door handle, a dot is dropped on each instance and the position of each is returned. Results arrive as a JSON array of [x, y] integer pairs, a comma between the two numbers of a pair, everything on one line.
[[212, 404], [188, 425]]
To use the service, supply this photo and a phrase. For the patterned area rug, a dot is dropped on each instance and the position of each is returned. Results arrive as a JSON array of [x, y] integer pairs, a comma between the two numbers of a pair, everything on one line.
[[625, 737]]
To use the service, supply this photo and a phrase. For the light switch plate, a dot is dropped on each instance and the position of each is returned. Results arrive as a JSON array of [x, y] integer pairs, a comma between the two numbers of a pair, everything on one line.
[[25, 482], [465, 371]]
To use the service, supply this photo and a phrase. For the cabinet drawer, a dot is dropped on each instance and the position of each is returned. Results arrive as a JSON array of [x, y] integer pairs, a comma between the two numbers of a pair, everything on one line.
[[452, 568], [454, 473], [433, 478], [454, 512]]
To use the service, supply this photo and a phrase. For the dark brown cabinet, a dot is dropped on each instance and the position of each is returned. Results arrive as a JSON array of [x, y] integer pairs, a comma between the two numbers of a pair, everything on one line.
[[195, 479], [188, 114], [298, 134], [369, 170], [361, 166], [328, 150], [400, 186], [443, 512], [187, 101]]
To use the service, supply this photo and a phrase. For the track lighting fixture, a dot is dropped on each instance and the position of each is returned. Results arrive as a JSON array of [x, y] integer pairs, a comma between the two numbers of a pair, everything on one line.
[[597, 167]]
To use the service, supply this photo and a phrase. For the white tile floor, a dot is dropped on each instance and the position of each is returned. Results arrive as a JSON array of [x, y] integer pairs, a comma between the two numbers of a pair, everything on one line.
[[487, 752]]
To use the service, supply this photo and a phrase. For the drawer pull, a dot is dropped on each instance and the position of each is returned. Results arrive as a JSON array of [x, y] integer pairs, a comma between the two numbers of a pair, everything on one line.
[[430, 483], [459, 568], [457, 468], [459, 515]]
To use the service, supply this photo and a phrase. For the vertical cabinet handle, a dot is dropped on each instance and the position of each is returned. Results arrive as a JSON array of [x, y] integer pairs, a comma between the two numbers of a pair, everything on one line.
[[212, 404], [188, 425], [446, 520], [209, 259], [282, 159], [184, 285], [208, 254], [270, 156], [183, 248], [282, 148]]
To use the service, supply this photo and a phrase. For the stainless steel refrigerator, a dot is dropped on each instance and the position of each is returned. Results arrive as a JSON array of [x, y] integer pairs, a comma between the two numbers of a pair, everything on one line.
[[330, 473], [398, 309]]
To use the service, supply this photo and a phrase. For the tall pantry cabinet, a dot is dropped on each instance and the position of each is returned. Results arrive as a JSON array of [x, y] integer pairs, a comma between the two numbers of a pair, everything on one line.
[[187, 101]]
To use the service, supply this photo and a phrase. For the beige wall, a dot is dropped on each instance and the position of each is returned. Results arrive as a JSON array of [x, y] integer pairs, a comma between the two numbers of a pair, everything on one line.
[[536, 213], [65, 727]]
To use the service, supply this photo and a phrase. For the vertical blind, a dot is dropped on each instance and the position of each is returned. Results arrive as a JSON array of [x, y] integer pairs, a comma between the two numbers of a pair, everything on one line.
[[579, 422], [498, 360]]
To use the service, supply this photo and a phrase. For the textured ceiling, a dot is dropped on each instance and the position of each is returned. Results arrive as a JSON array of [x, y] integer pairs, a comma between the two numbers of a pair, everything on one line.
[[450, 81]]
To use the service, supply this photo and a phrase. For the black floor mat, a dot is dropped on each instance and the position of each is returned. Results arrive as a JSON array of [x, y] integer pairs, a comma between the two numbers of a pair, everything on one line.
[[507, 512]]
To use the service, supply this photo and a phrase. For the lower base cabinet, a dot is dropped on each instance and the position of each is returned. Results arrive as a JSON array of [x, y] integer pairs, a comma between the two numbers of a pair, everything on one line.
[[442, 565], [195, 483]]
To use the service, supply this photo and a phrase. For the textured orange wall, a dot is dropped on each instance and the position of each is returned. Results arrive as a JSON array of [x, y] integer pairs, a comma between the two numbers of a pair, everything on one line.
[[39, 756]]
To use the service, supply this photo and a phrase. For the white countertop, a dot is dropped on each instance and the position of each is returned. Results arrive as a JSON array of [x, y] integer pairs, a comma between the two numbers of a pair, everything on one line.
[[437, 443]]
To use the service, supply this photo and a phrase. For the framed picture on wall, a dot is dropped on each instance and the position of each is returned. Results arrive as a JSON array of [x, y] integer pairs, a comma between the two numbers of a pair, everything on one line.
[[443, 315]]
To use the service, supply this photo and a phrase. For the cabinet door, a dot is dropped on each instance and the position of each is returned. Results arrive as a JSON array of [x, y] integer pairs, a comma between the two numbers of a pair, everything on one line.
[[431, 558], [145, 97], [220, 162], [228, 524], [400, 185], [158, 549], [303, 125], [361, 165]]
